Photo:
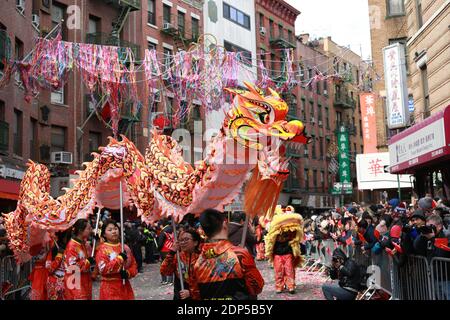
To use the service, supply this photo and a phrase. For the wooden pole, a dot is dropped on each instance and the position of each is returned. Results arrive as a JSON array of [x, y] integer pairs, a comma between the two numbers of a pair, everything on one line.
[[180, 273], [96, 231], [244, 233], [121, 222]]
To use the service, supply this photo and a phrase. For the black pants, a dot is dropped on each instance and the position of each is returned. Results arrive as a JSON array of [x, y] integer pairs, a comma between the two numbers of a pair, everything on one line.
[[137, 253], [149, 253]]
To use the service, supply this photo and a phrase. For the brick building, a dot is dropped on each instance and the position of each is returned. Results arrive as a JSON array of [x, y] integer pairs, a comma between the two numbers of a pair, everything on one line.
[[53, 122], [388, 25]]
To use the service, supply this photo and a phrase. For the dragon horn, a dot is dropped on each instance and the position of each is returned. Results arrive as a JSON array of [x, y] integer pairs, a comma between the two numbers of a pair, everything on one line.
[[273, 93]]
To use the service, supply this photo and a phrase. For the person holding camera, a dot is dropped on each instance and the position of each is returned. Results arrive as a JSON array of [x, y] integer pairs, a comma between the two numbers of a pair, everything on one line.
[[347, 272]]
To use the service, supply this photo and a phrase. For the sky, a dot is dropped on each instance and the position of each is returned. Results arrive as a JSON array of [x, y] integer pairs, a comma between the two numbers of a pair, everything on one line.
[[346, 21]]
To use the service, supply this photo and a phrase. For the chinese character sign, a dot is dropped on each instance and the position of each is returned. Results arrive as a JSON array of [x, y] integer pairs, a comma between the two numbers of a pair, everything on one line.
[[369, 123], [344, 158], [396, 86]]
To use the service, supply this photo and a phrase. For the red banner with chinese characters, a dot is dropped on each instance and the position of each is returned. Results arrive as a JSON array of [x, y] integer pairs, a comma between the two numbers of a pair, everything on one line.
[[369, 122]]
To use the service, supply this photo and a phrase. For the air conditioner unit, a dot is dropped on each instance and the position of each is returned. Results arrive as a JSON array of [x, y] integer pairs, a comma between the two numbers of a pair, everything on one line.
[[312, 120], [305, 151], [325, 92], [320, 122], [157, 96], [167, 26], [61, 157], [20, 5], [262, 31], [35, 20]]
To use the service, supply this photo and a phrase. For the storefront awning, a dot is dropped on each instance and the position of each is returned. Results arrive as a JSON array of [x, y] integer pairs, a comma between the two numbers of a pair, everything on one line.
[[423, 145], [9, 189]]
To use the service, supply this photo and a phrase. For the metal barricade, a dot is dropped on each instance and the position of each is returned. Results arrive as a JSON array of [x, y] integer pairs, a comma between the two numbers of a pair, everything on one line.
[[412, 281], [382, 271], [14, 276], [440, 278], [362, 258]]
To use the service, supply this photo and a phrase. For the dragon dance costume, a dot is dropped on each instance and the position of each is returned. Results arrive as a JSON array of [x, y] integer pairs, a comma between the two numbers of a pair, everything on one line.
[[225, 272], [39, 274], [55, 280], [283, 248], [110, 263], [76, 263], [170, 266]]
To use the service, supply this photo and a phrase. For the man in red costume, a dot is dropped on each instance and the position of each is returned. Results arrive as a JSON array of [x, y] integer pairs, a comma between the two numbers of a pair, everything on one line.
[[223, 271]]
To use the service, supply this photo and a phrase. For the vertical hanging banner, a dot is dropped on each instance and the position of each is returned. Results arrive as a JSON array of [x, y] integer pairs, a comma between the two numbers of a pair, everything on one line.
[[344, 161], [396, 86], [369, 122]]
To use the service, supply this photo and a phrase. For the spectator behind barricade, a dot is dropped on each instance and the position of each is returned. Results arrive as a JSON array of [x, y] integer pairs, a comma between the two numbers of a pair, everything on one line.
[[344, 237], [236, 230], [348, 273], [432, 241], [410, 231], [4, 249], [366, 238], [381, 233], [427, 204]]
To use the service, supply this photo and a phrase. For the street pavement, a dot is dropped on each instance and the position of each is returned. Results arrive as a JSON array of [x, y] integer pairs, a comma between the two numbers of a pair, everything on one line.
[[147, 285]]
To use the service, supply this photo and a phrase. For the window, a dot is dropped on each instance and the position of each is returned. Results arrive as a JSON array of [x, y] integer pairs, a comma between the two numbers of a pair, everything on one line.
[[315, 178], [290, 36], [360, 128], [95, 139], [318, 87], [151, 45], [195, 28], [362, 149], [263, 57], [18, 54], [58, 139], [17, 132], [313, 150], [338, 117], [273, 64], [321, 147], [167, 58], [280, 31], [151, 16], [327, 117], [261, 20], [311, 108], [425, 91], [245, 55], [419, 14], [322, 178], [2, 110], [303, 109], [166, 14], [94, 24], [57, 96], [271, 28], [306, 175], [235, 15], [395, 8], [196, 114], [33, 139], [58, 14], [181, 22], [319, 113]]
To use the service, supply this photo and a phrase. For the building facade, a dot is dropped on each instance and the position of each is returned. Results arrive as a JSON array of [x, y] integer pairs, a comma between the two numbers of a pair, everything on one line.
[[387, 26], [424, 148]]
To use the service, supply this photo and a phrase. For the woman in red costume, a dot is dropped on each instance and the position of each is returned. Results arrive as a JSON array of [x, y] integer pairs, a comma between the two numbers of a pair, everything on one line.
[[39, 274], [78, 264], [114, 265], [189, 244], [55, 267]]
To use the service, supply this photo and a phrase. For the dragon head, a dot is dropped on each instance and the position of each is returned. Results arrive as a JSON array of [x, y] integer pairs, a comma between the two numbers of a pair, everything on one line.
[[256, 117]]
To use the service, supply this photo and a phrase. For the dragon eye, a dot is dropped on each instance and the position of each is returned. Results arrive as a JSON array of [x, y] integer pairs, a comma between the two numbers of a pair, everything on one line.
[[264, 117]]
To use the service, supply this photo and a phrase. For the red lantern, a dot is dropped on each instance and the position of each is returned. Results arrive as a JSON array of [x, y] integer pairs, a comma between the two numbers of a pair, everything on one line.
[[160, 122]]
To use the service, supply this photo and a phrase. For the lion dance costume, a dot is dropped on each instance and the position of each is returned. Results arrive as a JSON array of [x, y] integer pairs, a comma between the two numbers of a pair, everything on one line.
[[283, 248]]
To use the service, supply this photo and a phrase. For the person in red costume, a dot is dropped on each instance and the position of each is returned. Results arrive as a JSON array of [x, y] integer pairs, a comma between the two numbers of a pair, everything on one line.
[[189, 242], [114, 265], [39, 274], [55, 267], [78, 264], [223, 271]]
